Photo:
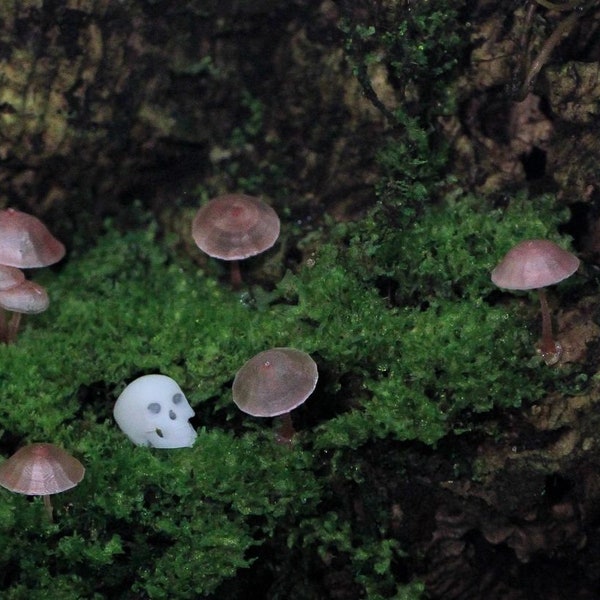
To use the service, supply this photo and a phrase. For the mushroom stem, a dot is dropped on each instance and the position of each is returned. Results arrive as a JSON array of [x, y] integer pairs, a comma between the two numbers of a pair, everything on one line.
[[285, 429], [13, 328], [49, 508], [9, 327], [562, 31], [3, 327], [236, 275], [549, 349]]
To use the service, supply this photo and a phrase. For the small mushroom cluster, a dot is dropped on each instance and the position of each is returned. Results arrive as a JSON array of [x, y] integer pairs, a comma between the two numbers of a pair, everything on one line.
[[40, 469], [25, 243], [233, 227], [153, 411]]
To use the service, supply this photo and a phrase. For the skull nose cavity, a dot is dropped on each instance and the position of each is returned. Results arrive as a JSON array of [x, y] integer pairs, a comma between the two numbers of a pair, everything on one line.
[[172, 415]]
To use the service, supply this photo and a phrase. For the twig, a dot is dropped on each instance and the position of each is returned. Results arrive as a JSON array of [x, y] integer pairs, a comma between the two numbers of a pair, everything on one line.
[[563, 30], [559, 7]]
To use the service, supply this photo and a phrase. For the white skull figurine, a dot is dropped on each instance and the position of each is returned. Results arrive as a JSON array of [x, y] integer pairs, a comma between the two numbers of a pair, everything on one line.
[[153, 411]]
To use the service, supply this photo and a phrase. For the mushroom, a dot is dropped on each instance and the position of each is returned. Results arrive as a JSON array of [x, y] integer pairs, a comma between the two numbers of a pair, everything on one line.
[[26, 243], [273, 383], [10, 277], [535, 264], [41, 470], [233, 227], [27, 298]]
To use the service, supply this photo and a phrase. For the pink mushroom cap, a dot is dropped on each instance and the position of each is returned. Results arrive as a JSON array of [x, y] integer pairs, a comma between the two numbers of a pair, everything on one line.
[[10, 277], [25, 241], [534, 264], [28, 298], [235, 226], [39, 470], [274, 382]]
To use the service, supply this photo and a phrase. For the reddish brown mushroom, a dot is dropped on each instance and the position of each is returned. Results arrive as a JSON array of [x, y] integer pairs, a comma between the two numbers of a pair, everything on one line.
[[26, 243], [233, 227], [273, 383], [535, 264], [41, 470]]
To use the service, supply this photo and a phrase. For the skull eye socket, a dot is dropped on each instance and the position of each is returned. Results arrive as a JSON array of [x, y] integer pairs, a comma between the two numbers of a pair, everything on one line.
[[154, 408], [177, 398], [172, 415]]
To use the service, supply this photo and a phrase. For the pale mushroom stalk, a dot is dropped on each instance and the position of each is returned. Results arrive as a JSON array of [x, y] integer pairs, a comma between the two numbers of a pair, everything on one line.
[[10, 278], [49, 508], [549, 349], [9, 327]]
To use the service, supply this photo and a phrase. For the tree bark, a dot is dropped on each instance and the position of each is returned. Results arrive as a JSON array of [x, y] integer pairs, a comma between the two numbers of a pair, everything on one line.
[[103, 101]]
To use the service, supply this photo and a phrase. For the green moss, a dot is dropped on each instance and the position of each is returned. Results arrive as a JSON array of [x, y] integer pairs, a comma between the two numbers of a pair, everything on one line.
[[420, 46], [446, 249], [412, 364], [441, 349], [181, 520]]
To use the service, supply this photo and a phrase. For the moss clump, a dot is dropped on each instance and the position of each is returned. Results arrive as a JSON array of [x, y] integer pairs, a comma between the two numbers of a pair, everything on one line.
[[162, 524], [437, 347], [446, 249], [412, 364]]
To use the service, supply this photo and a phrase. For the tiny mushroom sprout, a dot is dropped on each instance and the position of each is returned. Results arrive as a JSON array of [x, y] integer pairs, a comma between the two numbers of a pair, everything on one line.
[[25, 243], [233, 227], [153, 411], [273, 383], [533, 265], [41, 470]]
